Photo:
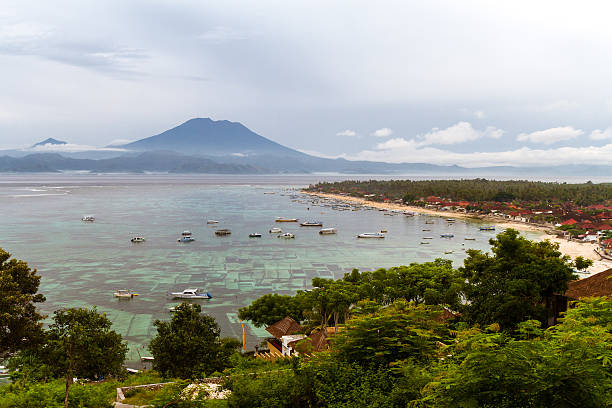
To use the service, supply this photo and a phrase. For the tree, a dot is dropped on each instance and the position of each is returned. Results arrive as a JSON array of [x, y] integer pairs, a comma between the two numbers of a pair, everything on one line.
[[582, 263], [514, 284], [20, 325], [271, 308], [80, 343], [400, 331], [189, 345]]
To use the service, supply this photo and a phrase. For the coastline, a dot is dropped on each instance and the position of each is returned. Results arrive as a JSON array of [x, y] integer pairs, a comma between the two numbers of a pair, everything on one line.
[[570, 248]]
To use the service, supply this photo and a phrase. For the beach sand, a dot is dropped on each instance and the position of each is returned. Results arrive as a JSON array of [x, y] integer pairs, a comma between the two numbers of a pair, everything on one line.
[[570, 248]]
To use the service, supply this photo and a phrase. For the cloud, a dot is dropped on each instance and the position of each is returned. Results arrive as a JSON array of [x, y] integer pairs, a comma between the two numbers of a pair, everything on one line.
[[562, 105], [479, 114], [459, 133], [550, 136], [222, 34], [347, 132], [119, 142], [72, 148], [598, 134], [407, 151], [384, 132]]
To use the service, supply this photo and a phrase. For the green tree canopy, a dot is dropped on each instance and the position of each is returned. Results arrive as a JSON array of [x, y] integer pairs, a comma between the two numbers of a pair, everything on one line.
[[189, 345], [516, 282], [20, 325], [81, 343], [271, 308]]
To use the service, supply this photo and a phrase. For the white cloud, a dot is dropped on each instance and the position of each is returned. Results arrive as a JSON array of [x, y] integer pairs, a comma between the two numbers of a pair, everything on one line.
[[384, 132], [72, 148], [119, 142], [347, 132], [550, 136], [459, 133], [598, 134], [479, 114], [407, 151], [239, 155]]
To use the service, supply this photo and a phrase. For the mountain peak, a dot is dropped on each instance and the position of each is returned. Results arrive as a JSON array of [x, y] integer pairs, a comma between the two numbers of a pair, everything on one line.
[[50, 141]]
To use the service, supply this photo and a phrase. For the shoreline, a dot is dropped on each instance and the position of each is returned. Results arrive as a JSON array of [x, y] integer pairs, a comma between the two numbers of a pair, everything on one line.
[[570, 248]]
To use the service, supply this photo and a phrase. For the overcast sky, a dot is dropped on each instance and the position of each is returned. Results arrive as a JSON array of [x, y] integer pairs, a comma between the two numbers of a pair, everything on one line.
[[449, 82]]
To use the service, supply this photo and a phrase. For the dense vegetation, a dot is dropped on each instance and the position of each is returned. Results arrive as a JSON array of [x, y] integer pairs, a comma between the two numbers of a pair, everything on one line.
[[476, 190]]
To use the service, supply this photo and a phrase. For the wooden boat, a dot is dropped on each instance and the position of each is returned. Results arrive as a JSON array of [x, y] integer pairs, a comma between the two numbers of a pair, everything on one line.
[[327, 231], [212, 222], [254, 235], [282, 219], [223, 232], [488, 228], [138, 239], [470, 239], [371, 235], [429, 222], [124, 294], [446, 235], [311, 224]]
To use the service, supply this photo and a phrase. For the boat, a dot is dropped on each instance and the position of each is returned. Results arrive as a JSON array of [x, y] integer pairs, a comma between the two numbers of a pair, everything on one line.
[[311, 224], [426, 229], [254, 235], [212, 222], [409, 214], [185, 237], [450, 220], [276, 230], [446, 235], [223, 232], [124, 293], [470, 239], [423, 242], [383, 231], [327, 231], [427, 237], [371, 235], [191, 293], [429, 222], [88, 218], [138, 239], [450, 251], [282, 219], [287, 235], [487, 228]]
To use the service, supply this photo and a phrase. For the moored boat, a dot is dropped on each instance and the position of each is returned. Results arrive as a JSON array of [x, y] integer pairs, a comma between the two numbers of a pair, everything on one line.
[[137, 239], [470, 239], [311, 224], [371, 235], [191, 293], [446, 235], [327, 231], [283, 219], [487, 228], [276, 230], [185, 237], [286, 235], [254, 235], [429, 222], [88, 218], [212, 222], [223, 232], [124, 293]]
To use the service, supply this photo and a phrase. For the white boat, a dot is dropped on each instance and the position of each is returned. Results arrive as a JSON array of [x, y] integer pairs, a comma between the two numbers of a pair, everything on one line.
[[185, 237], [311, 224], [287, 235], [212, 222], [254, 235], [371, 235], [191, 293], [470, 239], [427, 237], [138, 239], [276, 230], [124, 293], [88, 218], [282, 219], [446, 235], [327, 231]]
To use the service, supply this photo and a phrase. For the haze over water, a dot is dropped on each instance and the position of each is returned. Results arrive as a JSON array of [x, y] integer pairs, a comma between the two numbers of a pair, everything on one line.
[[82, 264]]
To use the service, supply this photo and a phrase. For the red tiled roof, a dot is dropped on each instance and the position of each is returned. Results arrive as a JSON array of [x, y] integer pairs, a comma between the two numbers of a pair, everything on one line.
[[284, 327], [599, 284]]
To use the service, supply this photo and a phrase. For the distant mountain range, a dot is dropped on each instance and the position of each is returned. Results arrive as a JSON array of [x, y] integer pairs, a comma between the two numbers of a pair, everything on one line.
[[203, 145]]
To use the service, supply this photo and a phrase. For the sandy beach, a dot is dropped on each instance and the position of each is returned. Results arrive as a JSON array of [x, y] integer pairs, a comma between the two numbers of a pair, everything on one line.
[[570, 248]]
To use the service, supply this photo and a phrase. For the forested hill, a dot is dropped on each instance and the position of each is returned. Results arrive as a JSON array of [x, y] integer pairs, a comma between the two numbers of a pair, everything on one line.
[[476, 190]]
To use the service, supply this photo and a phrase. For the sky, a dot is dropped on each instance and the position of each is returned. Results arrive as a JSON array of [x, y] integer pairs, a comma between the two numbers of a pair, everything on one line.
[[468, 82]]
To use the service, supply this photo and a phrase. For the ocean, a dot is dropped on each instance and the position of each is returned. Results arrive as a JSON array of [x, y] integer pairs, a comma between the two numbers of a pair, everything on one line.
[[82, 264]]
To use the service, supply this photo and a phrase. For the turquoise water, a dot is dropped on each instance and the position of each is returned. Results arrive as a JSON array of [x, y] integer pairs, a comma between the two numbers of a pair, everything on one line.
[[82, 264]]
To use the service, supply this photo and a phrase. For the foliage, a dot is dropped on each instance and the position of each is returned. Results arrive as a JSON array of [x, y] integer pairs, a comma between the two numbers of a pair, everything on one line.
[[189, 345], [80, 343], [271, 308], [400, 331], [475, 190], [515, 283], [51, 395], [20, 325], [274, 389]]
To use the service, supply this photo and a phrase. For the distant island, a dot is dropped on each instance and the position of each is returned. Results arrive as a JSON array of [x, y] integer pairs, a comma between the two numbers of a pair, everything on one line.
[[203, 145]]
